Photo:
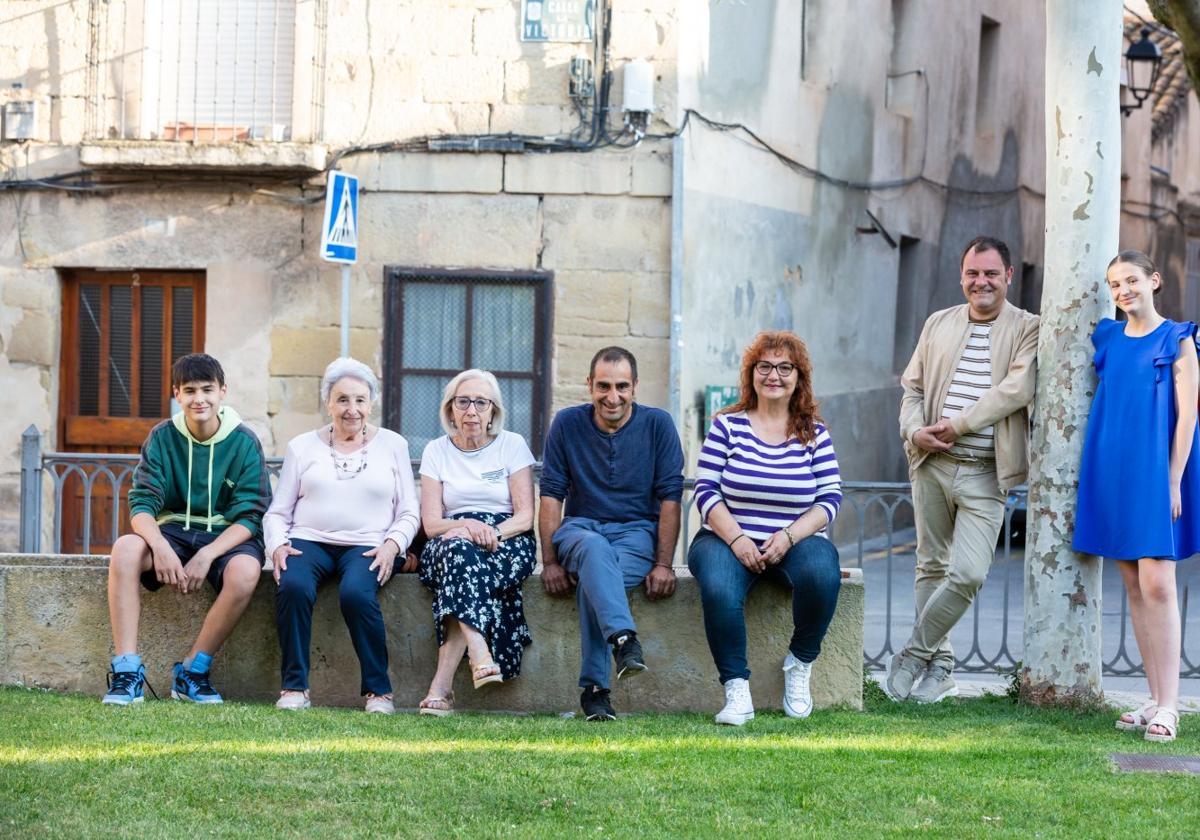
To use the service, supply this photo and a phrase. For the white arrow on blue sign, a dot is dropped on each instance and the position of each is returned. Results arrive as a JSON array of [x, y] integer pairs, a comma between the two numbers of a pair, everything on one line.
[[339, 233]]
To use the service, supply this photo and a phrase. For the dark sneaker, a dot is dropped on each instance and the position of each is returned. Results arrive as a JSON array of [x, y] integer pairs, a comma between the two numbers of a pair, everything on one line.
[[596, 705], [191, 686], [125, 687], [627, 651]]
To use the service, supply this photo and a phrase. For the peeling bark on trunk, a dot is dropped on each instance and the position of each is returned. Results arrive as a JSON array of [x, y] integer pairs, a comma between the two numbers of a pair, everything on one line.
[[1083, 158]]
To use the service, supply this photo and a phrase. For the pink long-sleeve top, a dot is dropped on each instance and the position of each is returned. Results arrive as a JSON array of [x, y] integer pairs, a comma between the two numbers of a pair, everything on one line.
[[312, 503]]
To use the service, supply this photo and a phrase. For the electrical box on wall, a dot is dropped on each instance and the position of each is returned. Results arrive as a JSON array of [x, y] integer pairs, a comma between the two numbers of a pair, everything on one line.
[[638, 91], [582, 84], [20, 116]]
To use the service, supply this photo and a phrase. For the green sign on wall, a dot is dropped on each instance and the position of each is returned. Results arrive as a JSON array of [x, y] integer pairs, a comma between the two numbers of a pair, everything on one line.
[[717, 397]]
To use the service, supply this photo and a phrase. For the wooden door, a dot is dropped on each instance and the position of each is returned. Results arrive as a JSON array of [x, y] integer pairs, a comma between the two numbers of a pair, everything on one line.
[[122, 331]]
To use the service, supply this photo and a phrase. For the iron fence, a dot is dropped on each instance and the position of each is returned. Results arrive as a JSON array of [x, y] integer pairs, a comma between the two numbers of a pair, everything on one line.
[[873, 532]]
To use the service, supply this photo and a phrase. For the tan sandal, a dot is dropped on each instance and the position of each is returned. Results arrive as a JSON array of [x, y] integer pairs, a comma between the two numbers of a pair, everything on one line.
[[1167, 719], [485, 674], [437, 706], [1139, 718]]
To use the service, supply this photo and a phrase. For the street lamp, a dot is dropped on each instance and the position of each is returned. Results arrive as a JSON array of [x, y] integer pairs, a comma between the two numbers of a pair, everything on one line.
[[1142, 61]]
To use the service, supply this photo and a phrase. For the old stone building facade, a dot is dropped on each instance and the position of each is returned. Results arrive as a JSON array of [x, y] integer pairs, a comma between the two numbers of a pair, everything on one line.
[[165, 193]]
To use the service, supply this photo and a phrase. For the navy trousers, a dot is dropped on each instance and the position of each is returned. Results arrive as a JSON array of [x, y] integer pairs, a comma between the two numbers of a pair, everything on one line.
[[358, 590]]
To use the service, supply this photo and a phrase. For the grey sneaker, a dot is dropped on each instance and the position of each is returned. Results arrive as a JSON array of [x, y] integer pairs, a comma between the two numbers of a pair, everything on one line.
[[937, 685], [903, 670]]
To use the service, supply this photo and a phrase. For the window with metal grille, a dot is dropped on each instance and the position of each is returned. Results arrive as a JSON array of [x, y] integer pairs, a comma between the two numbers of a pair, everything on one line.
[[441, 322], [207, 71]]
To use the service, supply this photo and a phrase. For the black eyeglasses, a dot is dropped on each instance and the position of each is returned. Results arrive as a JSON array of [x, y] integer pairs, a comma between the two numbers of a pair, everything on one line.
[[785, 368], [481, 404]]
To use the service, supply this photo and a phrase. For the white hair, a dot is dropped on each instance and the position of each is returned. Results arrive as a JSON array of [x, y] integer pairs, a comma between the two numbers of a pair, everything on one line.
[[446, 414], [345, 366]]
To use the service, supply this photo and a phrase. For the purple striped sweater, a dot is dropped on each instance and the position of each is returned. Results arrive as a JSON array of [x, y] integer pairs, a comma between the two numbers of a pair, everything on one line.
[[765, 487]]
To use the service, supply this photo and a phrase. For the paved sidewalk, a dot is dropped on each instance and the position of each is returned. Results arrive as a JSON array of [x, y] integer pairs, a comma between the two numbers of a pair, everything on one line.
[[1120, 692]]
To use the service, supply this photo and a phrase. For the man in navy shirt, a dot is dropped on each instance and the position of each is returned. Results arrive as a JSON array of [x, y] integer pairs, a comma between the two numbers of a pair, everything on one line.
[[617, 469]]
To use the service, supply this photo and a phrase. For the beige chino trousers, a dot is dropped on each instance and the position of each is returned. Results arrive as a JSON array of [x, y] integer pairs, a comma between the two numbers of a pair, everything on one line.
[[959, 510]]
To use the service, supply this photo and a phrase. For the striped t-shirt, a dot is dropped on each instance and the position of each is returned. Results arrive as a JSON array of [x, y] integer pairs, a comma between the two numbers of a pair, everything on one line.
[[766, 487], [972, 378]]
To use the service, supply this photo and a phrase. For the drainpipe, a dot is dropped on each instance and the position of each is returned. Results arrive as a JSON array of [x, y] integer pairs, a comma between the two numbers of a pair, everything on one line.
[[675, 351]]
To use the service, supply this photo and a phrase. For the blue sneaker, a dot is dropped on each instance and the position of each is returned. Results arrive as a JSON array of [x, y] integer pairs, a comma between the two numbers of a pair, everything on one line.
[[125, 687], [192, 686]]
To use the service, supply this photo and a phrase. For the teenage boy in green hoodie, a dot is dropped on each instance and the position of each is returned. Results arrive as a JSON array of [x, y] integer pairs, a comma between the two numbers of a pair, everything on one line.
[[196, 505]]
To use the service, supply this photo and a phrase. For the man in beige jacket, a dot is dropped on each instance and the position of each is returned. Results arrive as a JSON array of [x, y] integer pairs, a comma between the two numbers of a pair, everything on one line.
[[965, 423]]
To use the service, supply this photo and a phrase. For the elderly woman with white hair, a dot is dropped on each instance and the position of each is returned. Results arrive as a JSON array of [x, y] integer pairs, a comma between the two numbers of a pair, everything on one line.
[[477, 509], [345, 507]]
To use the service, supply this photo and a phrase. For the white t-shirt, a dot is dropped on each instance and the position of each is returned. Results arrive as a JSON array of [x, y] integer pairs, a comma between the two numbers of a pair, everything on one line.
[[477, 480]]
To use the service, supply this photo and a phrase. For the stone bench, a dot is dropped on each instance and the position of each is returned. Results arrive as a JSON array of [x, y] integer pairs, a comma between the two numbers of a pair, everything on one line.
[[54, 633]]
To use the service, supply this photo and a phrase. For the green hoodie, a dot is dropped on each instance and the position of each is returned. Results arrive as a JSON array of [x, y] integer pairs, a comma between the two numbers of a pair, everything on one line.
[[213, 483]]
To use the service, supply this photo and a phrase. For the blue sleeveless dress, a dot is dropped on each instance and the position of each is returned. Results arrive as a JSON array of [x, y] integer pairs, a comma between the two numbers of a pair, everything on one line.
[[1123, 508]]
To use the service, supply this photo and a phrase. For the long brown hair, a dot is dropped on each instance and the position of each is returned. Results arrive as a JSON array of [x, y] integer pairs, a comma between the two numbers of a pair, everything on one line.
[[802, 407]]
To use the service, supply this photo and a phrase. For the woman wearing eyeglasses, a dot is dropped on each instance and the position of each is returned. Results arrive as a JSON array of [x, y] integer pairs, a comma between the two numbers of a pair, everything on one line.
[[767, 487], [344, 507], [477, 510]]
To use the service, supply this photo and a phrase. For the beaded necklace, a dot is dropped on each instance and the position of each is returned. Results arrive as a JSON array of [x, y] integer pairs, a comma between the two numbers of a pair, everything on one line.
[[348, 466]]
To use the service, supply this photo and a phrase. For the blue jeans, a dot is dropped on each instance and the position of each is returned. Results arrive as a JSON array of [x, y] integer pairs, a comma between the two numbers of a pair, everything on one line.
[[811, 568], [608, 558], [358, 589]]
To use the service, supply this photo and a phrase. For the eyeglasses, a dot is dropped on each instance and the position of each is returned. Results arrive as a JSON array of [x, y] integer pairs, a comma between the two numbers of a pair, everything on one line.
[[785, 369], [481, 404]]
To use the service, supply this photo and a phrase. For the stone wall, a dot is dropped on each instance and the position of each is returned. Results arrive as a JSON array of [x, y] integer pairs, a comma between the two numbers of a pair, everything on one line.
[[54, 633]]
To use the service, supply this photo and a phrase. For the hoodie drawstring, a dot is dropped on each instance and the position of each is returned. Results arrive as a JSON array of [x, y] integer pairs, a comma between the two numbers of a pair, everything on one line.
[[187, 510], [211, 452]]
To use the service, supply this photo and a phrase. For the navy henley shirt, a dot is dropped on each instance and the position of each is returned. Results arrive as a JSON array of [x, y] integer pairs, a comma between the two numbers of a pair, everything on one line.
[[617, 477]]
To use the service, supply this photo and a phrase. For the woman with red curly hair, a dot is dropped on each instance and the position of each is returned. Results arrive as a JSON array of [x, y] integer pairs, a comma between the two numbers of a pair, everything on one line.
[[767, 487]]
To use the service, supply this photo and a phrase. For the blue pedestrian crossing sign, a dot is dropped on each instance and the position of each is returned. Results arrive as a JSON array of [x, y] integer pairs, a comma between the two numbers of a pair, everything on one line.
[[339, 234]]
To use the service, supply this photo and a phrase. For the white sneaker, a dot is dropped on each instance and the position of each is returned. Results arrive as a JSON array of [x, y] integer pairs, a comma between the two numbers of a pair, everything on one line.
[[739, 707], [797, 699], [293, 700]]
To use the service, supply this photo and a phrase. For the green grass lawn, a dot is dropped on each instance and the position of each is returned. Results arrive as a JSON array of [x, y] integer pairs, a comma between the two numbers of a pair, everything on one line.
[[70, 767]]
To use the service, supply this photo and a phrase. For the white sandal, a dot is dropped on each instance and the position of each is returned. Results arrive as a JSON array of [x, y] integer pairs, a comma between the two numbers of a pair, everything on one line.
[[1141, 717], [1167, 719]]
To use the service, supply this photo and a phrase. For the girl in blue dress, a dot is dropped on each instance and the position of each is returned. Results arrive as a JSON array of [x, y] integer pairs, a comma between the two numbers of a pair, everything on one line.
[[1139, 482]]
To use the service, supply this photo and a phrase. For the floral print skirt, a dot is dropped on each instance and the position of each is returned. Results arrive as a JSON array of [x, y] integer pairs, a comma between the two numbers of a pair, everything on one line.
[[482, 589]]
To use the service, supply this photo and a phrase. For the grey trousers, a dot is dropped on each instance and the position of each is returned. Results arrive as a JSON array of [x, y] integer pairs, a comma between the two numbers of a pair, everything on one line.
[[959, 510]]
